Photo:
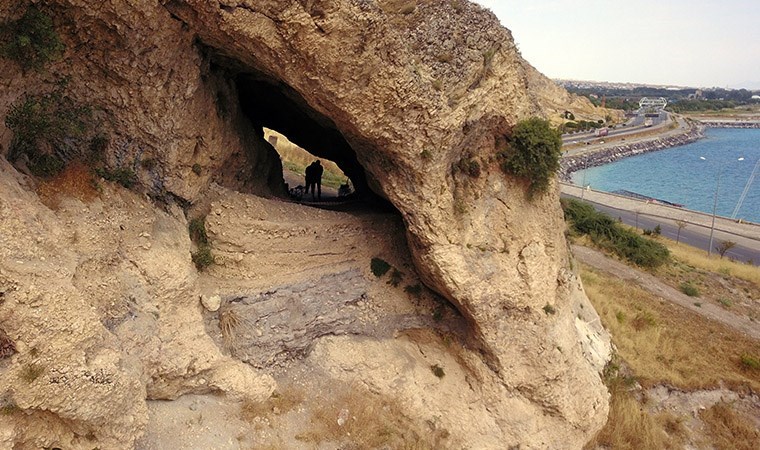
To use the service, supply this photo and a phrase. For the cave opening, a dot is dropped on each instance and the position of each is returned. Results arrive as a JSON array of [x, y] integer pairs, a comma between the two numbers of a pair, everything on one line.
[[300, 135]]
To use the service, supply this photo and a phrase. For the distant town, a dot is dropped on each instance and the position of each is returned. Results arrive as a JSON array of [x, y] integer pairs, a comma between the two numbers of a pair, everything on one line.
[[680, 99]]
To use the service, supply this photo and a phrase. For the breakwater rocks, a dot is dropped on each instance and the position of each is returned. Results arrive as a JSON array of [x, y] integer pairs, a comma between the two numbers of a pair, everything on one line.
[[729, 124], [570, 164]]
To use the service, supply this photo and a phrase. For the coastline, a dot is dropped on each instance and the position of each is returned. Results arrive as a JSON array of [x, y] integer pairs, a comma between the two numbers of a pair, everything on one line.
[[730, 124], [570, 164]]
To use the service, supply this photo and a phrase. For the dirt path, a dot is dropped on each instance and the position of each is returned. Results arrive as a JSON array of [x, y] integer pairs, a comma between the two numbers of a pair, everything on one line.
[[652, 284]]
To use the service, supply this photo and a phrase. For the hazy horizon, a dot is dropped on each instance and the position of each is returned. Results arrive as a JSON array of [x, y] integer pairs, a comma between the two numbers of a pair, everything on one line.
[[695, 43]]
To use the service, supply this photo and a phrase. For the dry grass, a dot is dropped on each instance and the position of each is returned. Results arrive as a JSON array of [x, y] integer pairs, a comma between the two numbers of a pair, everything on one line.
[[663, 343], [630, 426], [730, 430], [75, 181], [358, 419], [229, 322], [698, 259]]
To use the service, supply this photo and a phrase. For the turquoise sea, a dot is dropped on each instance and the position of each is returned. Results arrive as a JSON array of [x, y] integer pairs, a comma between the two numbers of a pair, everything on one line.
[[680, 175]]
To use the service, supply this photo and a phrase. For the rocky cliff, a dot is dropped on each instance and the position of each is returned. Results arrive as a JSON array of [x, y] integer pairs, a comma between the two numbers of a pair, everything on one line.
[[99, 296]]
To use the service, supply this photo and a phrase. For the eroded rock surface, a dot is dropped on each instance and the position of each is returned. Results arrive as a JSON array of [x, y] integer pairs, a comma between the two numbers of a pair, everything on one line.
[[396, 96]]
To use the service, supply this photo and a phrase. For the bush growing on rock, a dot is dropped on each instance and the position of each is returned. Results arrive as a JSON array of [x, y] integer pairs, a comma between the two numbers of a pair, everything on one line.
[[379, 267], [44, 127], [121, 175], [533, 153], [31, 41]]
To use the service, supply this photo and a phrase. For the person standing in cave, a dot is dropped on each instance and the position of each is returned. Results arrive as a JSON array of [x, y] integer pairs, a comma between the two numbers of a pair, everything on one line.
[[309, 175], [318, 169], [314, 179]]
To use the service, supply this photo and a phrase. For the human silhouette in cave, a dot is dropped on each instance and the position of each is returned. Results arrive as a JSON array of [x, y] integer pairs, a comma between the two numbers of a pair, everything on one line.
[[314, 180]]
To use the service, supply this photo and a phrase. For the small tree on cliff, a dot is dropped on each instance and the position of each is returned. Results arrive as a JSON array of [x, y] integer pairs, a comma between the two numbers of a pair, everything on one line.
[[533, 153]]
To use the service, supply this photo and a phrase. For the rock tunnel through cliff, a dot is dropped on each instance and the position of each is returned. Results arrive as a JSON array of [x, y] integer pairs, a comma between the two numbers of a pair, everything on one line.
[[270, 104]]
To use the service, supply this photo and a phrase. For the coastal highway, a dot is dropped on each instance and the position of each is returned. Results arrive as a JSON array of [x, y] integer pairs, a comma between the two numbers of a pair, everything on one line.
[[633, 126], [696, 235]]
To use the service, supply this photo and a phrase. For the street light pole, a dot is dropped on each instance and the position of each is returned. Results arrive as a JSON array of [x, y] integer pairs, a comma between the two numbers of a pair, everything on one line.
[[583, 183], [715, 203]]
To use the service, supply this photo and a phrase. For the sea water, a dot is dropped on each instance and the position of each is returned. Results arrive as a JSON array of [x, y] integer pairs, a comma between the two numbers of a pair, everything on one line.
[[691, 174]]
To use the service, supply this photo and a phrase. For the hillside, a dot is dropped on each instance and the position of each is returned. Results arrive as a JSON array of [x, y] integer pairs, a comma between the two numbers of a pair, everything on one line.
[[129, 127]]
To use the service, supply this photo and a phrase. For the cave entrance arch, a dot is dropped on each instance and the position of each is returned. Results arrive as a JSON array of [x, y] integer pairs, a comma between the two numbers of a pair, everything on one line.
[[271, 104]]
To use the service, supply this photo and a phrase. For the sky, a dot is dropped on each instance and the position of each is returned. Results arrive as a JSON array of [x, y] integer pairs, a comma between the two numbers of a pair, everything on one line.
[[695, 43]]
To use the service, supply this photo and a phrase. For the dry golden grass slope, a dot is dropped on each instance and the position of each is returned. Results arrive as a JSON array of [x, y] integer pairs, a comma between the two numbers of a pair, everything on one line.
[[661, 344]]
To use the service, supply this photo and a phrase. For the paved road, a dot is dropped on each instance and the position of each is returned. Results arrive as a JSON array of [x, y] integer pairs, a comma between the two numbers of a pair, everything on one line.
[[694, 234], [633, 126]]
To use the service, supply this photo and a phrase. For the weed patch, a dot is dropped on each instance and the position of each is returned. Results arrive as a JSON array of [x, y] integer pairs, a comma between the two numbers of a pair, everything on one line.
[[688, 288], [396, 278], [229, 322], [44, 127], [379, 267], [31, 372], [203, 258], [197, 229], [124, 176], [31, 41], [414, 290], [749, 362]]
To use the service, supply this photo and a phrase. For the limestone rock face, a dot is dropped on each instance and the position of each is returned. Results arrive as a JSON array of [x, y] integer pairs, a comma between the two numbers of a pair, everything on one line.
[[396, 93]]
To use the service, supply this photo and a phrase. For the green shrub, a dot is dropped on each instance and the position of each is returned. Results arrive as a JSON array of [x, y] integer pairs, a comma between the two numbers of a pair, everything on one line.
[[43, 127], [196, 169], [122, 175], [197, 229], [470, 167], [749, 362], [203, 257], [414, 290], [533, 153], [644, 319], [608, 234], [31, 41], [379, 267], [689, 289], [437, 371], [549, 309]]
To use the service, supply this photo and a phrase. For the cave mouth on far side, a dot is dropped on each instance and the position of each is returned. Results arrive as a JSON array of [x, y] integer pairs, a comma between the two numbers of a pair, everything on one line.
[[273, 105]]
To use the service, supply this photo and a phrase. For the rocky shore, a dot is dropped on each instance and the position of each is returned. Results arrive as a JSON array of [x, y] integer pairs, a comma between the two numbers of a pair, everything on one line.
[[570, 164], [729, 124]]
